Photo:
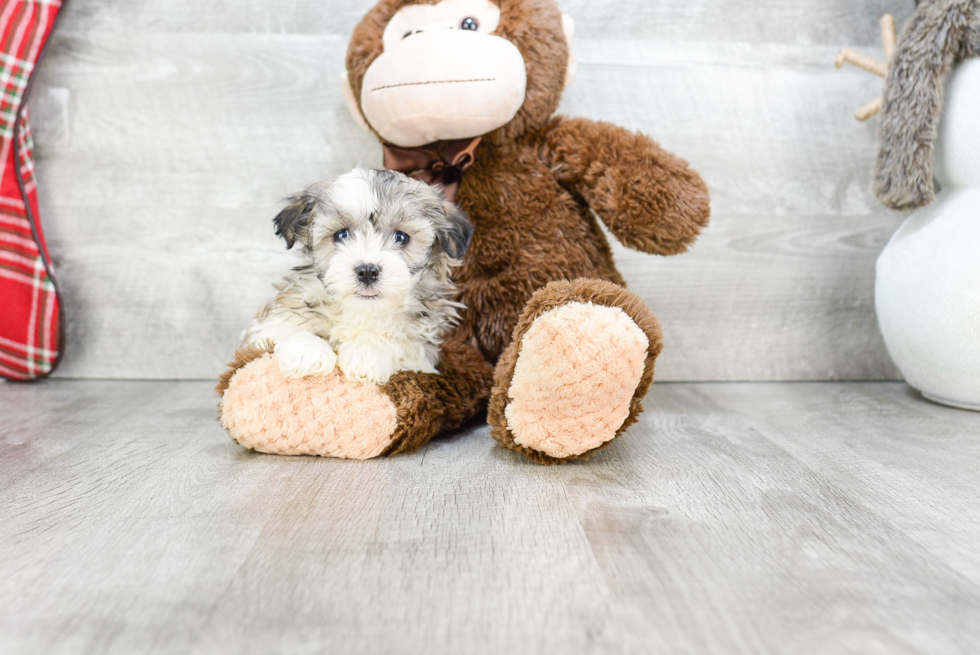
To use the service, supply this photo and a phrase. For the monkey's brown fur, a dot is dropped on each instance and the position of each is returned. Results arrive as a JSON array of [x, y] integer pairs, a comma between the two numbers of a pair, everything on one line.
[[551, 297], [530, 194]]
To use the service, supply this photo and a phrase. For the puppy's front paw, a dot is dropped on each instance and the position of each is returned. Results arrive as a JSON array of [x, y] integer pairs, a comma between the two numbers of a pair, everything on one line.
[[366, 362], [305, 354]]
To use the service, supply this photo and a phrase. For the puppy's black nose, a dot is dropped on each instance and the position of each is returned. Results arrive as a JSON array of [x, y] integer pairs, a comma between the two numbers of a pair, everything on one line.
[[367, 274]]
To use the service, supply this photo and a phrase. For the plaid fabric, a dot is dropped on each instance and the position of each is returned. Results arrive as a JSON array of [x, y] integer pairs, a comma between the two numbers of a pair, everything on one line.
[[30, 309]]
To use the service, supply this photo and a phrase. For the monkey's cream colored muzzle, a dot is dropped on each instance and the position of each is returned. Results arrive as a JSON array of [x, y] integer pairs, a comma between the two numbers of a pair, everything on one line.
[[442, 84]]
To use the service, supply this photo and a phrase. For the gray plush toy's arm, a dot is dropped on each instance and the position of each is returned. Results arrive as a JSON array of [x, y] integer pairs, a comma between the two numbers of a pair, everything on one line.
[[941, 33]]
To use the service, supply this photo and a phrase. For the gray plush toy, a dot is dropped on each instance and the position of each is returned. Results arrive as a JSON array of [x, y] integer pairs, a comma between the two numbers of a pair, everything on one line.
[[941, 34]]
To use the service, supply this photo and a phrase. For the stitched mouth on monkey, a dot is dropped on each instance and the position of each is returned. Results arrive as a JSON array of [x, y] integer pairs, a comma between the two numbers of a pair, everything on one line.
[[395, 86], [429, 83]]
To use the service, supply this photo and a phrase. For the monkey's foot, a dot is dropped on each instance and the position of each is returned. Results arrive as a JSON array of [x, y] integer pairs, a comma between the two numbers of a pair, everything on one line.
[[574, 375], [326, 415]]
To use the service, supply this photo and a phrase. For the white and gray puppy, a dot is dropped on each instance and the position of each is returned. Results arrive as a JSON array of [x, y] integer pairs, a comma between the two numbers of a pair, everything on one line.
[[375, 295]]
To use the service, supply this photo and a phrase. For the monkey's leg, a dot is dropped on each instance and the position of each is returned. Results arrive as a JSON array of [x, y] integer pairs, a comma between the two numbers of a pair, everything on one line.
[[331, 416], [430, 404], [573, 377]]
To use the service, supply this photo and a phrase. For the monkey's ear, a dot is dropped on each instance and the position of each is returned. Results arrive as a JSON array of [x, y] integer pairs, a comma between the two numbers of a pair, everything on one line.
[[568, 27], [455, 231], [352, 107], [293, 222]]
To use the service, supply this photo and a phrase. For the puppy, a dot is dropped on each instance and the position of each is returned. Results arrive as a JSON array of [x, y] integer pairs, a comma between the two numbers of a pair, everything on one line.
[[374, 294]]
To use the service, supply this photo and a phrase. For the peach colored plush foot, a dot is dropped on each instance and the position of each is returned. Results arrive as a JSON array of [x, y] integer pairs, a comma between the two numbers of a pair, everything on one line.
[[325, 415], [578, 368]]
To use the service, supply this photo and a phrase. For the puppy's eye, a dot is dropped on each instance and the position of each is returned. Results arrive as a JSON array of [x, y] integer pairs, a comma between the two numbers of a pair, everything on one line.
[[402, 239], [469, 24], [408, 34], [341, 235]]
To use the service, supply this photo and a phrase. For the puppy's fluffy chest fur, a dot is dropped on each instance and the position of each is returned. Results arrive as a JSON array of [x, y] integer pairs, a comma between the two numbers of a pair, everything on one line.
[[385, 339], [375, 294]]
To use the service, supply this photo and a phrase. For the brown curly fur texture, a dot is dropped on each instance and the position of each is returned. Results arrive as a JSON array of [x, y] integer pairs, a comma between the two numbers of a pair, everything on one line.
[[530, 195], [940, 34], [534, 227], [428, 404], [555, 295], [648, 198]]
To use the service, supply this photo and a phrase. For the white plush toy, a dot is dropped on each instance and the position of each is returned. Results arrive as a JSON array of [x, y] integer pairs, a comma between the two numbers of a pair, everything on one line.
[[927, 291]]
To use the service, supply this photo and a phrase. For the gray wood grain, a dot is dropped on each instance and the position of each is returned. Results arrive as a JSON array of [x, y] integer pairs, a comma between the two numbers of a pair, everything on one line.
[[827, 22], [163, 154], [734, 518], [831, 23]]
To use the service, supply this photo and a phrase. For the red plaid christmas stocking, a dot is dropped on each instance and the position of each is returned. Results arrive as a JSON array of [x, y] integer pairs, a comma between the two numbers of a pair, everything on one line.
[[31, 312]]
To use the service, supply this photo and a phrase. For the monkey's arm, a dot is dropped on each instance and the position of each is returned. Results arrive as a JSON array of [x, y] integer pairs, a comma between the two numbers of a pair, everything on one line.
[[650, 199]]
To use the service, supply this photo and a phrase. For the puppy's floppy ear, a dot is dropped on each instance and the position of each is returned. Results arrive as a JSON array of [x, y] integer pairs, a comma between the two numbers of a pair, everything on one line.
[[454, 231], [293, 221]]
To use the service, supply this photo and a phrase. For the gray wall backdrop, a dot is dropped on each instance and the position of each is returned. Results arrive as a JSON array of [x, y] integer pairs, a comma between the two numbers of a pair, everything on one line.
[[167, 132]]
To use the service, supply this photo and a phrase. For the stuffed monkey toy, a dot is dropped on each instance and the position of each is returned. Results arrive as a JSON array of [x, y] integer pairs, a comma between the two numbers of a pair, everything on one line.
[[552, 345]]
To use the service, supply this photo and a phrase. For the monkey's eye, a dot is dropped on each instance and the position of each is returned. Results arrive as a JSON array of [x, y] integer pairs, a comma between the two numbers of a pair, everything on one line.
[[402, 239], [341, 236], [469, 24]]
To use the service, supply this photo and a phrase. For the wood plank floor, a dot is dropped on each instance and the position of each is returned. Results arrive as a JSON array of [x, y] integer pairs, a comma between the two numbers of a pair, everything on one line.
[[735, 518]]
